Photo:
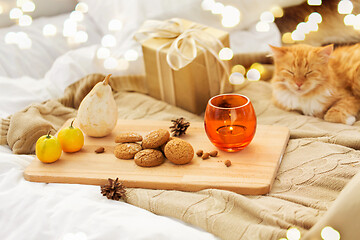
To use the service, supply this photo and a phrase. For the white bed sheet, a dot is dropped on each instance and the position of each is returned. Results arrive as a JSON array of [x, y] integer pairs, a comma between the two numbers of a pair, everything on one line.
[[69, 211]]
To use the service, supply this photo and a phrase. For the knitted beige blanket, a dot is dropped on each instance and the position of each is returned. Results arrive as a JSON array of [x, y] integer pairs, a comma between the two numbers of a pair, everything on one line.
[[320, 159]]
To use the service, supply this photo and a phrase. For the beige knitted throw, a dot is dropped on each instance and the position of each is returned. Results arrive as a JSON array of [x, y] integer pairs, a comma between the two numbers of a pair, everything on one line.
[[320, 159]]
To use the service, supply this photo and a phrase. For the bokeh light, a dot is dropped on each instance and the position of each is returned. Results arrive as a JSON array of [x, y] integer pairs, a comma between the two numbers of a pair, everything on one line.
[[103, 53], [28, 6], [76, 16], [315, 17], [230, 16], [345, 7], [108, 40], [226, 54], [238, 68], [328, 233], [207, 5], [267, 17], [49, 30], [277, 11], [15, 13], [293, 234], [286, 38], [110, 63], [217, 8], [81, 37], [70, 28], [314, 2], [25, 20], [253, 75], [350, 20], [259, 67], [262, 27], [115, 25], [296, 35], [237, 78], [1, 9], [131, 55], [82, 7], [10, 38], [122, 64]]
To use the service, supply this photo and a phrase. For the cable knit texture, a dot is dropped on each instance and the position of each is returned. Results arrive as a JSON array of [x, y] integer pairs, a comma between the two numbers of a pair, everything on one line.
[[320, 159]]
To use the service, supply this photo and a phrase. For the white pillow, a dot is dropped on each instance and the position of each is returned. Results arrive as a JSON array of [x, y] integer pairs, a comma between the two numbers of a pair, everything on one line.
[[37, 60], [43, 8]]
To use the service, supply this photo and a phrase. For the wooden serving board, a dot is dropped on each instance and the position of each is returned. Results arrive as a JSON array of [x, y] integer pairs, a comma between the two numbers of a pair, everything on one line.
[[252, 171]]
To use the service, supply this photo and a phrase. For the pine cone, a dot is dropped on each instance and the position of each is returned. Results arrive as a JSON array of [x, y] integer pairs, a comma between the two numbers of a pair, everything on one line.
[[114, 190], [179, 127]]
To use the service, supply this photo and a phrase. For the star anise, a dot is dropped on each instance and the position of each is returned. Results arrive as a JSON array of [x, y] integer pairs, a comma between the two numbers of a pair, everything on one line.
[[114, 189], [179, 127]]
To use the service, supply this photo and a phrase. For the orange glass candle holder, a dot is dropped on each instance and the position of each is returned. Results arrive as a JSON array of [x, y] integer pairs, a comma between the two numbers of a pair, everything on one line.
[[230, 122]]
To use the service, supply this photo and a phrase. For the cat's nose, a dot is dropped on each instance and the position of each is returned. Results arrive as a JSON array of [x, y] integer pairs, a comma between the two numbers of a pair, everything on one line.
[[299, 84]]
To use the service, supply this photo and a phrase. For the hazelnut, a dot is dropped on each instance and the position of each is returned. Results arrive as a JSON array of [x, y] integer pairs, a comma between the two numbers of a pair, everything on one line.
[[205, 156], [199, 152], [227, 163], [100, 150], [213, 153]]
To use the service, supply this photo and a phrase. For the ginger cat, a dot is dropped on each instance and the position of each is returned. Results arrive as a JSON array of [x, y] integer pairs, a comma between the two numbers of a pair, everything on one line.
[[318, 81]]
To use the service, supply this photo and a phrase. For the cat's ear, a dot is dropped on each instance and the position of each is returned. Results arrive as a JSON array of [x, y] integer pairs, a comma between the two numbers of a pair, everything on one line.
[[326, 51], [277, 51]]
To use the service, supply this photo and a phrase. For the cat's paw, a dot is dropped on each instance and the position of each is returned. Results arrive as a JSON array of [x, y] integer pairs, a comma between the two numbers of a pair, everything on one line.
[[336, 116], [350, 120]]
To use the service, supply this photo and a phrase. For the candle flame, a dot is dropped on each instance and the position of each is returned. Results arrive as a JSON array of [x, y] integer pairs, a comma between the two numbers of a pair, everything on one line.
[[231, 128]]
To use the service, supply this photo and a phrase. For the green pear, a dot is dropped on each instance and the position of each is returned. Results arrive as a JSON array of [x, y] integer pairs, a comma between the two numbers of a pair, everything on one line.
[[97, 114]]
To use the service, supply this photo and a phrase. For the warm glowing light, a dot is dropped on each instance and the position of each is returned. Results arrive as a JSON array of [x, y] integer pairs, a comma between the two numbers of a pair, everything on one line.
[[253, 75], [305, 27], [350, 20], [10, 38], [15, 13], [28, 6], [267, 17], [25, 20], [76, 16], [207, 5], [19, 3], [110, 63], [103, 53], [70, 28], [328, 233], [313, 26], [131, 55], [259, 67], [81, 37], [314, 2], [115, 25], [217, 8], [293, 234], [237, 78], [315, 17], [123, 65], [108, 40], [357, 26], [297, 35], [49, 30], [286, 38], [1, 9], [262, 27], [82, 7], [230, 16], [238, 68], [277, 11], [226, 54], [345, 7], [23, 41]]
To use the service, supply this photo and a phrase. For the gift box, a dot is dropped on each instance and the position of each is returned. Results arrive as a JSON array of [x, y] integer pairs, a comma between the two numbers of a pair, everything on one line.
[[182, 62]]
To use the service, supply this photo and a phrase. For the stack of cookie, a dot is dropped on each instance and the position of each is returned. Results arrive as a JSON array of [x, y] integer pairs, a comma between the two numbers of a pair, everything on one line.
[[153, 147]]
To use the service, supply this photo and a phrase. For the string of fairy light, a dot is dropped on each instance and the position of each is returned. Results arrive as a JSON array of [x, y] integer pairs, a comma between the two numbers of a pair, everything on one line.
[[75, 32]]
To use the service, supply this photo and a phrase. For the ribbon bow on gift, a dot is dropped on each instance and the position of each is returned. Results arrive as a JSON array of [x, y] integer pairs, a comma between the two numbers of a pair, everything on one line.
[[187, 41]]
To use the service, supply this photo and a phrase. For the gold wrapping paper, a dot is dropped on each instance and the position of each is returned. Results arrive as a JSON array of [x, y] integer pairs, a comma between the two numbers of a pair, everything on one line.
[[191, 86]]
